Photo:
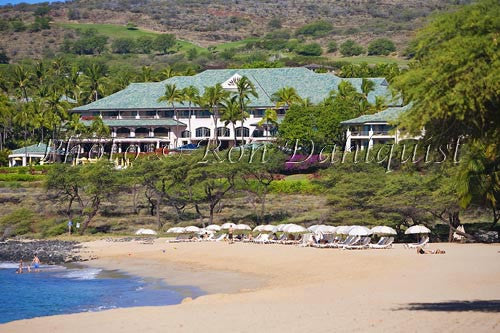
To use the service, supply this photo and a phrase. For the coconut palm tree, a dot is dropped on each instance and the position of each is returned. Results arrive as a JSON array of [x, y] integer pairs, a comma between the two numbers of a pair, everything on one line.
[[167, 73], [285, 97], [173, 95], [95, 81], [22, 80], [212, 97], [230, 113], [270, 118], [191, 95], [245, 90], [367, 86]]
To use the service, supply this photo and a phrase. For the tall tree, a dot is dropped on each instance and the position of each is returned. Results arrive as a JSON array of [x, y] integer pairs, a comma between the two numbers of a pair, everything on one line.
[[213, 97], [171, 96], [245, 90], [191, 95]]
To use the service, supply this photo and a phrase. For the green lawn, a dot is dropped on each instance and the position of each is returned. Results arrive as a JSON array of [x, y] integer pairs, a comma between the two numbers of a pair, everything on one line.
[[371, 60], [230, 45], [119, 31]]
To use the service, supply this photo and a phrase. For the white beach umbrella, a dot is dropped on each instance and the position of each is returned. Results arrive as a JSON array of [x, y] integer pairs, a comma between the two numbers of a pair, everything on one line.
[[417, 229], [327, 229], [176, 230], [343, 230], [294, 228], [228, 225], [268, 227], [213, 227], [383, 230], [145, 232], [315, 227], [242, 227], [192, 228], [359, 231], [258, 228]]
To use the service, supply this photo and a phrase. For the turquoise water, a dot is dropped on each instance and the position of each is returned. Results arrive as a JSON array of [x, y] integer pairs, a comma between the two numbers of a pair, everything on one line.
[[59, 290]]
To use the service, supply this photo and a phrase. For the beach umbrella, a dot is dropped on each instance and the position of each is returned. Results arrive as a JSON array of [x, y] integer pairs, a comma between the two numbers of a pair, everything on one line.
[[359, 231], [175, 230], [228, 225], [145, 232], [294, 228], [383, 230], [258, 228], [327, 229], [242, 227], [267, 227], [417, 229], [315, 227], [213, 227], [192, 228], [343, 230]]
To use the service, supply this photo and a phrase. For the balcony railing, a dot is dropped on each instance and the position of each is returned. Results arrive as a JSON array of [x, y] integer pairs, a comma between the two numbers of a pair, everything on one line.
[[367, 133]]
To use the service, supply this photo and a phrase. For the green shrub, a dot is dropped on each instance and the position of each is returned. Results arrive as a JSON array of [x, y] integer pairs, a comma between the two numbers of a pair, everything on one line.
[[312, 49], [351, 48], [316, 29], [19, 222], [303, 186], [52, 227], [381, 46], [12, 177]]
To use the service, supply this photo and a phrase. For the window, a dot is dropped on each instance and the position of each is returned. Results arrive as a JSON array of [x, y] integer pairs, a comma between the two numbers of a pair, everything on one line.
[[142, 132], [110, 114], [203, 114], [202, 132], [128, 114], [148, 114], [122, 132], [258, 113], [183, 113], [244, 130], [161, 132], [257, 133], [222, 131], [166, 114], [185, 134]]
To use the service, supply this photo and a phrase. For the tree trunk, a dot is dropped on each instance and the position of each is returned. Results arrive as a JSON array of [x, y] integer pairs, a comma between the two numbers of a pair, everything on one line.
[[263, 207], [242, 132], [454, 221], [158, 216]]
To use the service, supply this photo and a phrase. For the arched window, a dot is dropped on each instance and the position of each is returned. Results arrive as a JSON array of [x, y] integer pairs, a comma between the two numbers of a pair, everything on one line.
[[223, 131], [257, 133], [122, 132], [245, 130], [202, 132], [161, 132], [185, 134], [141, 132]]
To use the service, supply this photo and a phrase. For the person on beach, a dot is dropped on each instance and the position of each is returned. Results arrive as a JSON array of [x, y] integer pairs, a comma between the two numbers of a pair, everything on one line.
[[230, 235], [420, 250], [36, 263], [20, 269]]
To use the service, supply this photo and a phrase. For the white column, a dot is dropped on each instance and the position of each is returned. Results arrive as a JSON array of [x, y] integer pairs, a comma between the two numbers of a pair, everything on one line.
[[348, 140], [24, 160], [132, 132], [370, 134]]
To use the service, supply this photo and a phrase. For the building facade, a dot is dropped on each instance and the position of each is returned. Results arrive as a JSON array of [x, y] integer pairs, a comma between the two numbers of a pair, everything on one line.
[[136, 117], [368, 130]]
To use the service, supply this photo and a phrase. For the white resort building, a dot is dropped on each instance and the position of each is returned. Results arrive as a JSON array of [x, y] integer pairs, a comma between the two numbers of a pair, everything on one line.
[[138, 121]]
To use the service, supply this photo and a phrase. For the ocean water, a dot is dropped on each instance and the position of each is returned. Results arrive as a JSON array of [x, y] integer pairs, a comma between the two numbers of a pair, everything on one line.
[[70, 289]]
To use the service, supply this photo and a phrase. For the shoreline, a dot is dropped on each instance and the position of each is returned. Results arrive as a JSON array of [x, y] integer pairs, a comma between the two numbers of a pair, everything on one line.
[[298, 289]]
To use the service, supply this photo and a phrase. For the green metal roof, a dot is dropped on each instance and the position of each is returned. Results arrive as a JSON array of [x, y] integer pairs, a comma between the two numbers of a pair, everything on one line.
[[385, 116], [40, 148], [137, 122], [308, 84]]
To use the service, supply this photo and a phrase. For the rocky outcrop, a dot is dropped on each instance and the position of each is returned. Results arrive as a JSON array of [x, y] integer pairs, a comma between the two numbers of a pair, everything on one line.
[[49, 251]]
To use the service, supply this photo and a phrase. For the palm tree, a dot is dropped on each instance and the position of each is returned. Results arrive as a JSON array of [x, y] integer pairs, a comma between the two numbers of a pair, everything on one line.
[[24, 118], [72, 84], [167, 73], [146, 74], [74, 126], [367, 86], [171, 96], [285, 97], [191, 96], [212, 97], [22, 80], [379, 105], [231, 113], [245, 89], [270, 117], [95, 80]]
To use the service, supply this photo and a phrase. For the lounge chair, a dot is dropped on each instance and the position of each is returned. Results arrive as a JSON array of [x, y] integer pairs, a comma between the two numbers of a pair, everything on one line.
[[363, 243], [384, 243], [220, 238], [423, 242], [350, 240], [264, 239]]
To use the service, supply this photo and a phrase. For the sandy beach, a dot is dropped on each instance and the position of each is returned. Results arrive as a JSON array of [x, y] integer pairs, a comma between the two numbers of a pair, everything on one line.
[[276, 288]]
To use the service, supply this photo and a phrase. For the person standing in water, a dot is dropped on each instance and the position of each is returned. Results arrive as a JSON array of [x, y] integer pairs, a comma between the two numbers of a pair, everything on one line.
[[36, 263]]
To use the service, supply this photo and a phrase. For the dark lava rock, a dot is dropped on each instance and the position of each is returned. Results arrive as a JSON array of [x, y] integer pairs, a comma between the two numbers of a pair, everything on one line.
[[49, 251]]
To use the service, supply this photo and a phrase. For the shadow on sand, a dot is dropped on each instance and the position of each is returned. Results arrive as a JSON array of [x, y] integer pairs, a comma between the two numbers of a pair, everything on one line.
[[455, 306]]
